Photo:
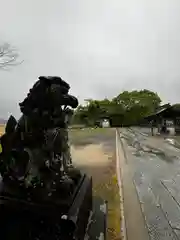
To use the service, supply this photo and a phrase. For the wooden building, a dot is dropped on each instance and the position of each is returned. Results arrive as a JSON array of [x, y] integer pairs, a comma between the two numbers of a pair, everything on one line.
[[166, 119]]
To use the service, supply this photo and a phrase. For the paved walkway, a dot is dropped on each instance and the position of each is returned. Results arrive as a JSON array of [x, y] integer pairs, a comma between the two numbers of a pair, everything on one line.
[[151, 181]]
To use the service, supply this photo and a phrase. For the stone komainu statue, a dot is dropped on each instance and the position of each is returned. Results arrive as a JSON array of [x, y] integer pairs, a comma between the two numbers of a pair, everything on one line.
[[35, 161]]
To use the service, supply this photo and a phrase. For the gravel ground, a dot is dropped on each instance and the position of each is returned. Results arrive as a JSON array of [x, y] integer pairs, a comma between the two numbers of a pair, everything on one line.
[[93, 151]]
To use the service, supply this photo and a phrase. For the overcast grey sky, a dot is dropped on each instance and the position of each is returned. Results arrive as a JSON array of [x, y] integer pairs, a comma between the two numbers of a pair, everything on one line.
[[100, 46]]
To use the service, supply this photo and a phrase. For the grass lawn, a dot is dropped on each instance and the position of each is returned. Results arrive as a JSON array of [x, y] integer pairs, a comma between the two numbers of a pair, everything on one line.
[[2, 129], [80, 137]]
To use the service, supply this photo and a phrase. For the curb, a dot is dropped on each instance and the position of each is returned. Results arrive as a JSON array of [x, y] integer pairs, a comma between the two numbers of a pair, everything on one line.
[[119, 179]]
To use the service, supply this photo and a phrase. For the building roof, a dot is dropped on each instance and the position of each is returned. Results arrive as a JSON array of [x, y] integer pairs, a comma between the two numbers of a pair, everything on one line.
[[166, 110], [159, 111]]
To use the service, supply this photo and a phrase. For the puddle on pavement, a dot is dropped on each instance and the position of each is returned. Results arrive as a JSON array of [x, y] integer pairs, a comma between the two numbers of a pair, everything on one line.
[[156, 153], [141, 150]]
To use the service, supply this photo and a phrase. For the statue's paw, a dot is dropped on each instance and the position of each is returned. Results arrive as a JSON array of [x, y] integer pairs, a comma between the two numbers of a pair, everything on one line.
[[66, 187], [74, 173]]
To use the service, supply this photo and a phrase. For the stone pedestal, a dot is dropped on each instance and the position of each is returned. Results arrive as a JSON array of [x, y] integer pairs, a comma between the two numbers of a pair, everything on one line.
[[29, 220]]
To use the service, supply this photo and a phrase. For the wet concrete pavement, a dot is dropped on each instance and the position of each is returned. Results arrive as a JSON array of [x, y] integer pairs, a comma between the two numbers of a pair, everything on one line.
[[151, 179]]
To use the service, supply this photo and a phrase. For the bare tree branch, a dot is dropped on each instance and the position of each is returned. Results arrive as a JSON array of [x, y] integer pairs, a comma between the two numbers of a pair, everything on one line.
[[8, 56]]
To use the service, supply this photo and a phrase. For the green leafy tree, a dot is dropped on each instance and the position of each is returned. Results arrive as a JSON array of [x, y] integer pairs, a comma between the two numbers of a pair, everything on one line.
[[137, 104], [128, 107]]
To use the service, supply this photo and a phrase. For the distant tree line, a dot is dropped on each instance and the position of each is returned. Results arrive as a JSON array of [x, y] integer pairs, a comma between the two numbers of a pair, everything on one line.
[[127, 108]]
